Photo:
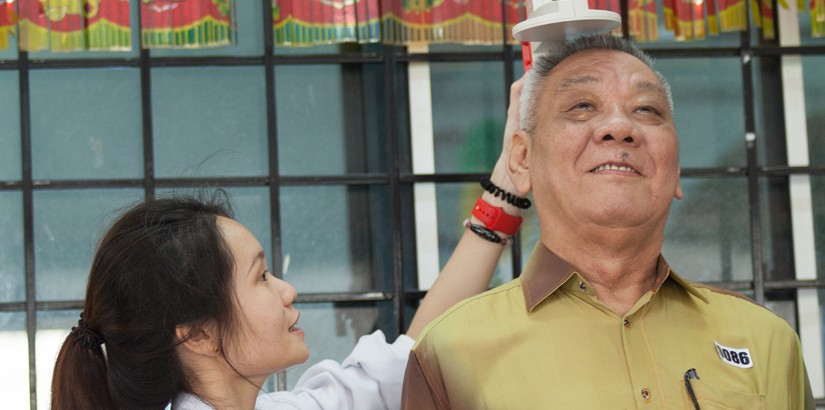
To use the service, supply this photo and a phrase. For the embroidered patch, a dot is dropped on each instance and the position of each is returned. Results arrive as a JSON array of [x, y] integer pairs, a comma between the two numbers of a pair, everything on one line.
[[735, 357]]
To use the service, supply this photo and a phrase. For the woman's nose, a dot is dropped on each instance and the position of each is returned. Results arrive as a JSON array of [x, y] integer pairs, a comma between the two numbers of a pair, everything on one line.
[[288, 292]]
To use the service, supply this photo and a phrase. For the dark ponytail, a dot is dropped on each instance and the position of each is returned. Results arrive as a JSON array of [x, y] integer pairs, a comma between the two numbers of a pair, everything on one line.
[[90, 366], [163, 263]]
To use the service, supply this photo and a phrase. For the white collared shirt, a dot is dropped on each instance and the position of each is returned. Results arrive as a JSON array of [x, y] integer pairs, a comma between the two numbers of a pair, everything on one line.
[[369, 378]]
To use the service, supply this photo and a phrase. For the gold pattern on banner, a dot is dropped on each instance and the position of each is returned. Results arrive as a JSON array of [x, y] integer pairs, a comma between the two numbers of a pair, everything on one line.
[[310, 22], [73, 25], [187, 23], [82, 25], [57, 10], [8, 22], [817, 18]]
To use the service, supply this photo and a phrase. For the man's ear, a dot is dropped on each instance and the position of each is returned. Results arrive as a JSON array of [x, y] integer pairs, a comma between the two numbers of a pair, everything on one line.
[[518, 165], [198, 339], [679, 193]]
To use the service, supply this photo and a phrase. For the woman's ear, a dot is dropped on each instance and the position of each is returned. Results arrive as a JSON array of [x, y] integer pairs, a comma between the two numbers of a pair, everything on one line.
[[198, 340], [518, 165]]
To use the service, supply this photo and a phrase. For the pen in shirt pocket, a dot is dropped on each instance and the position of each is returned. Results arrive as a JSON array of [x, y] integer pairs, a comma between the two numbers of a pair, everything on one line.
[[691, 375]]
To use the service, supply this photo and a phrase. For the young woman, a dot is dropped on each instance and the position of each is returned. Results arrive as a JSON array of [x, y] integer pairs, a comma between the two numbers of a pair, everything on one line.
[[180, 308]]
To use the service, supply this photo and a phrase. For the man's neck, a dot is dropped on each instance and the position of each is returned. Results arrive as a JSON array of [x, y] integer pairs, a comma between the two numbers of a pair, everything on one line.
[[620, 265]]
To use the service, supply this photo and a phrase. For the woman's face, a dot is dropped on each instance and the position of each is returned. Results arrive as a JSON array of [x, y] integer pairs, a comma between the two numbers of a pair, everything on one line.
[[270, 339]]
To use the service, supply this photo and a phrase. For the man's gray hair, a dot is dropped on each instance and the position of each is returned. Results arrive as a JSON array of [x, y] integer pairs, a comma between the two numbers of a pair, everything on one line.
[[536, 79]]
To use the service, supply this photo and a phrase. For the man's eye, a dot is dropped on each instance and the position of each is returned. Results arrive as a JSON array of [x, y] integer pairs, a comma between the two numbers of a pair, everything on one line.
[[263, 276], [582, 106], [647, 109]]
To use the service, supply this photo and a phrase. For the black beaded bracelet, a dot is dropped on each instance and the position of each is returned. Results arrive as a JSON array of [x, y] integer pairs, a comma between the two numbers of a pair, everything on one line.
[[485, 233], [512, 199]]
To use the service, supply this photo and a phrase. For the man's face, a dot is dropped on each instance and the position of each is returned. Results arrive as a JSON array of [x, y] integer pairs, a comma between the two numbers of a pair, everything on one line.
[[605, 149]]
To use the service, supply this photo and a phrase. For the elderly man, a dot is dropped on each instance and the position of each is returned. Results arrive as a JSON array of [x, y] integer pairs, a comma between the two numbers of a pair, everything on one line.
[[598, 320]]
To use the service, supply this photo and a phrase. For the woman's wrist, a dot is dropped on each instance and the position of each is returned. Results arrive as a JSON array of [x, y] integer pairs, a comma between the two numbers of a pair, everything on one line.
[[501, 179]]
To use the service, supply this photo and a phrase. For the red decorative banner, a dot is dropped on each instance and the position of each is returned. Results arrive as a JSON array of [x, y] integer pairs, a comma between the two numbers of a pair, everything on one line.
[[643, 22], [8, 21], [817, 18], [733, 15], [713, 21], [186, 23], [308, 22], [72, 25]]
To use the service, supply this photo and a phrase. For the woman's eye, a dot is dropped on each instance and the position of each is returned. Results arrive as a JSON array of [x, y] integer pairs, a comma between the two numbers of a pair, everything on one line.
[[264, 275]]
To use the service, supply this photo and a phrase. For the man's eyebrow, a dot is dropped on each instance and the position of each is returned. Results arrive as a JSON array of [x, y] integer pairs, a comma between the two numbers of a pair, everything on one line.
[[573, 81], [650, 86]]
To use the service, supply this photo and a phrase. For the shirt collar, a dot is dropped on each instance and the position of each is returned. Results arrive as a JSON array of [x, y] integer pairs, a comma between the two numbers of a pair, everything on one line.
[[545, 272]]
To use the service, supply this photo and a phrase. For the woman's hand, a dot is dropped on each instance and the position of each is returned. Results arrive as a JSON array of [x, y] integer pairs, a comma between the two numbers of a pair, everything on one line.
[[500, 177]]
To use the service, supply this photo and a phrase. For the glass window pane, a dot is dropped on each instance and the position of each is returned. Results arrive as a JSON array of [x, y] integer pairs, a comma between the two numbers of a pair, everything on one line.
[[818, 201], [455, 204], [769, 111], [52, 329], [67, 228], [14, 354], [708, 110], [332, 330], [469, 110], [86, 124], [9, 53], [777, 235], [250, 35], [12, 270], [209, 121], [10, 168], [330, 119], [707, 237], [335, 238], [812, 69]]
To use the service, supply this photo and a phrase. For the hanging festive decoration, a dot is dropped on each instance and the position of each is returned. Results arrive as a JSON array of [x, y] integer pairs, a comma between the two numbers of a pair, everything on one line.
[[303, 23], [643, 22], [74, 25], [8, 21], [308, 22], [817, 18], [186, 23], [436, 21]]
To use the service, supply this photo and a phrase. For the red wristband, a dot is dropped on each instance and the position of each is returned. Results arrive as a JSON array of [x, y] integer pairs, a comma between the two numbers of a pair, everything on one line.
[[495, 218]]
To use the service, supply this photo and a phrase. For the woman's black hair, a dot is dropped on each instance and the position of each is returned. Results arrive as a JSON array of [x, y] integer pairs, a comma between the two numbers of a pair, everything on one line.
[[162, 264]]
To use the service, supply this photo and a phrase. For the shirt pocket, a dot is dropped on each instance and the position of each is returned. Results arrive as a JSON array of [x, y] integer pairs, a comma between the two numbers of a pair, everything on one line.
[[713, 398]]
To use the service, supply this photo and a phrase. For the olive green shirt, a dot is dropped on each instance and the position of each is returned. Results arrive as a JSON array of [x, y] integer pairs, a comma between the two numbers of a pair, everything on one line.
[[544, 341]]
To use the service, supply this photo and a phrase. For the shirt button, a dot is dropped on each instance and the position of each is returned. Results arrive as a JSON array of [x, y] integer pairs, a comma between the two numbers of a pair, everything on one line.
[[582, 286], [627, 323], [646, 394]]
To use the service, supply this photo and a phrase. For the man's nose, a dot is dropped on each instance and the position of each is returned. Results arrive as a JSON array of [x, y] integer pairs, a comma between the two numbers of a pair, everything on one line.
[[617, 126], [609, 137]]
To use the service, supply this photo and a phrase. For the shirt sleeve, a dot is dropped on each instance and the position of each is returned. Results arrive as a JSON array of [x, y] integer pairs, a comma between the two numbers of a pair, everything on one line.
[[370, 377], [800, 394], [786, 380], [417, 393]]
